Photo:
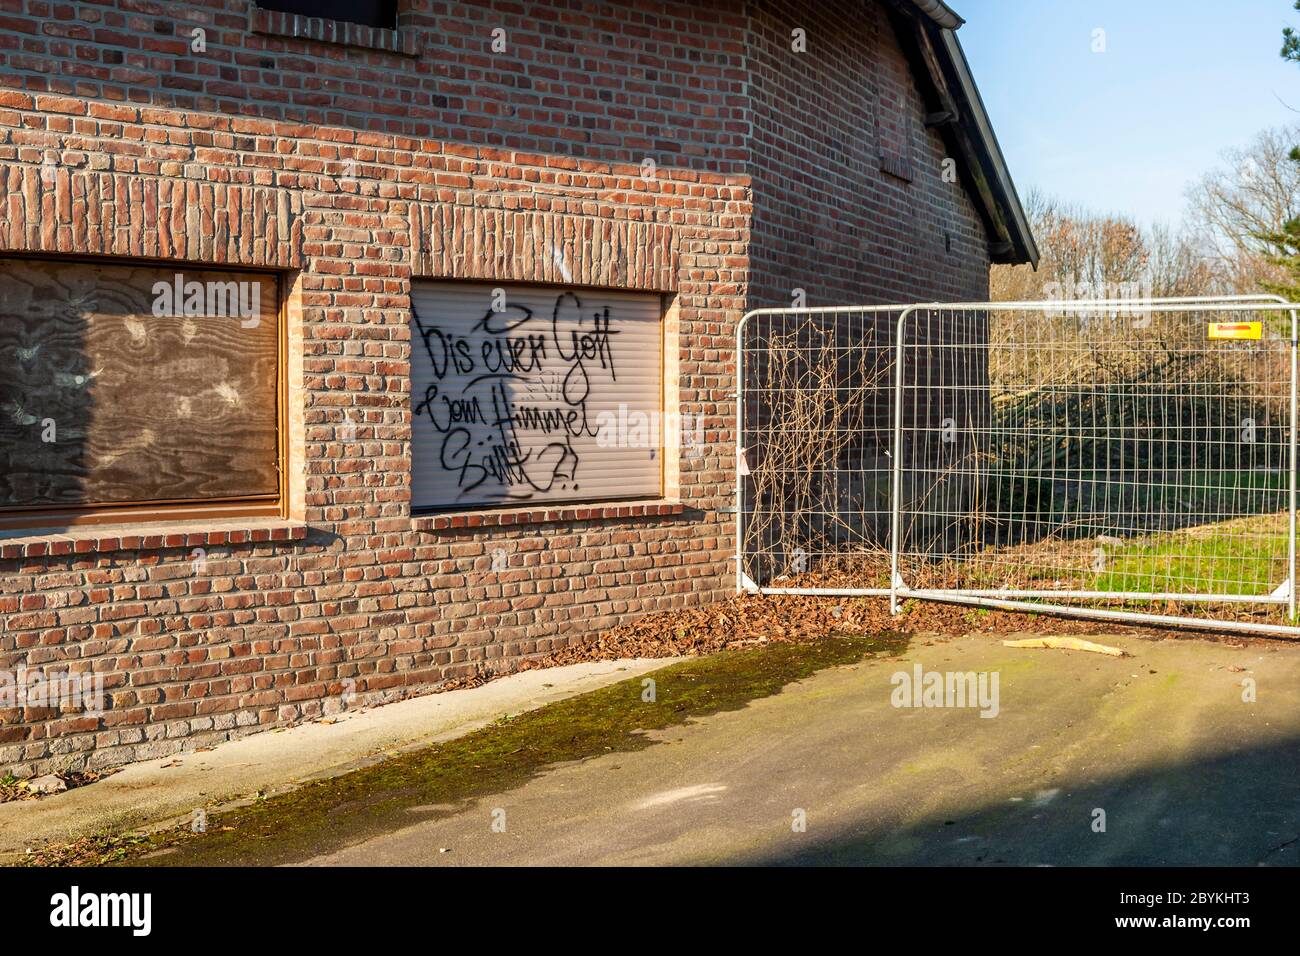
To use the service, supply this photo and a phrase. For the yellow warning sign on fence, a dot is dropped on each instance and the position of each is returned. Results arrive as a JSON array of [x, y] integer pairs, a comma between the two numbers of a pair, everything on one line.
[[1236, 330]]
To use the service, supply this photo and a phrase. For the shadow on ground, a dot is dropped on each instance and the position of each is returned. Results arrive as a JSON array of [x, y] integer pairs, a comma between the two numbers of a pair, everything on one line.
[[1240, 809]]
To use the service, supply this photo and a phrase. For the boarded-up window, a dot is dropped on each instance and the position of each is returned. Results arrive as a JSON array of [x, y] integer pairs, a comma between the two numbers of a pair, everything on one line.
[[368, 13], [894, 111], [125, 385], [530, 394]]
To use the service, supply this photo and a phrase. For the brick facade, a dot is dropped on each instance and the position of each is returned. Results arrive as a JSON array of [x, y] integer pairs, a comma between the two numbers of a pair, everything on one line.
[[353, 162], [849, 203]]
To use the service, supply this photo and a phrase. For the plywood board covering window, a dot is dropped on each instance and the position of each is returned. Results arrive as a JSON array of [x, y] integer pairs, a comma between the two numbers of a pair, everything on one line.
[[116, 391], [534, 394]]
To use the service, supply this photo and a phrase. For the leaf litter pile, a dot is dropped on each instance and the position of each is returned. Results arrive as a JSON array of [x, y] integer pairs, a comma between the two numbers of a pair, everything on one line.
[[754, 620], [13, 788]]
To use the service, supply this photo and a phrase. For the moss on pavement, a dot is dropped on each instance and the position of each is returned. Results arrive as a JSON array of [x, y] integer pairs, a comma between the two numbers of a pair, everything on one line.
[[328, 814]]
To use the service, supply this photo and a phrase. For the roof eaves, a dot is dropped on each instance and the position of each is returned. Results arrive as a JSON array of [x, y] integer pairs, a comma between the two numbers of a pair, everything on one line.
[[989, 141], [943, 63], [939, 12]]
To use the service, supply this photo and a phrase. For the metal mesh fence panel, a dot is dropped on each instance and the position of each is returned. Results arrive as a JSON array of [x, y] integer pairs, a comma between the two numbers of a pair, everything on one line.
[[1133, 457], [1133, 460], [815, 434]]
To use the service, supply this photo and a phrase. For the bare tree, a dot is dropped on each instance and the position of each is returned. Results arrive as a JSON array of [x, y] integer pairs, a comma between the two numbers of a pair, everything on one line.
[[1249, 197], [1087, 255], [1177, 265]]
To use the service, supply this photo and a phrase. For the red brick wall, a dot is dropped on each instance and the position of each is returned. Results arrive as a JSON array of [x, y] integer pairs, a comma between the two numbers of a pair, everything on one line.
[[828, 217], [353, 170]]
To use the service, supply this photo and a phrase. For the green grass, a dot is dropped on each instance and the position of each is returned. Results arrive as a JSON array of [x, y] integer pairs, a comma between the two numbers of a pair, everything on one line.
[[1246, 556]]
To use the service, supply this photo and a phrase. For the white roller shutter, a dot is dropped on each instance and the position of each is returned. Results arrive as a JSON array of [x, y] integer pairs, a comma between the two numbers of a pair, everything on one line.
[[553, 394]]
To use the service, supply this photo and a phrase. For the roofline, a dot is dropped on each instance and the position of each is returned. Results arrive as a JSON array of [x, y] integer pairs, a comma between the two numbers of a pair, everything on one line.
[[964, 122], [939, 12], [989, 139]]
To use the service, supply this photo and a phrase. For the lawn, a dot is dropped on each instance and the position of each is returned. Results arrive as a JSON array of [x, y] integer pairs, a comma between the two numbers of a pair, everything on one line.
[[1243, 556]]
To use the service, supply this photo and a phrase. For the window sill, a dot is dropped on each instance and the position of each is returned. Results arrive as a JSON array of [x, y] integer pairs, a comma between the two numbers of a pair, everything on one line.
[[295, 26], [146, 536], [510, 517]]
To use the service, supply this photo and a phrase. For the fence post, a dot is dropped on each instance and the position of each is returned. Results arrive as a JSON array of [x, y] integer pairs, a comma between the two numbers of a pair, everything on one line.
[[739, 439], [1295, 367], [896, 496]]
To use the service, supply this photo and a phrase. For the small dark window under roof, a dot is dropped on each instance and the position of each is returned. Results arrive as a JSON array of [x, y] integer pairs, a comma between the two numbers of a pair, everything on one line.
[[368, 13]]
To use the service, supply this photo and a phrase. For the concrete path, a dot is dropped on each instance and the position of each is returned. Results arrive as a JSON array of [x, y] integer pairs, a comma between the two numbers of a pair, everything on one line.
[[1161, 743], [157, 792]]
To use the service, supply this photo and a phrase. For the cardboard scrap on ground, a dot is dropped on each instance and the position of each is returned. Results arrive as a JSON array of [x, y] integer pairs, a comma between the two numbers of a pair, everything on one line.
[[1067, 644]]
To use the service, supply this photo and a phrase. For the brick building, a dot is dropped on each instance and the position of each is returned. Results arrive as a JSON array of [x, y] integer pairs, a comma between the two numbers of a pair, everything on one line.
[[328, 346]]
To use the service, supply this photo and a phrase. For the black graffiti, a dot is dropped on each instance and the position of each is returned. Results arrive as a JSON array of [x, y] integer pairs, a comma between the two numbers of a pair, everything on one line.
[[519, 356], [480, 434], [505, 462], [446, 412], [446, 351], [586, 345]]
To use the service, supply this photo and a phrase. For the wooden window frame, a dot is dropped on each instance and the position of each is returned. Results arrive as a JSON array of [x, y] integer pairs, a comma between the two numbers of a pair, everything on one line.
[[189, 510]]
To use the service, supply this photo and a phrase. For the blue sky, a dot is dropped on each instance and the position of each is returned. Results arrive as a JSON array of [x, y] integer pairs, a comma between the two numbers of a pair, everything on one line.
[[1126, 130]]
